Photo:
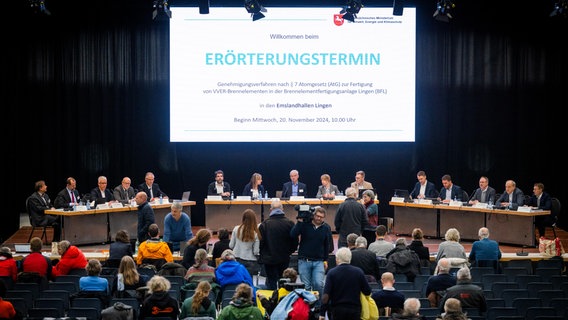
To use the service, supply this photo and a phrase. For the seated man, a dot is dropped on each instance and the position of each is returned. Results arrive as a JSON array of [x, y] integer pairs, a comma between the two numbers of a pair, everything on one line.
[[438, 283], [154, 250], [485, 249], [294, 187], [470, 295], [363, 258], [388, 299]]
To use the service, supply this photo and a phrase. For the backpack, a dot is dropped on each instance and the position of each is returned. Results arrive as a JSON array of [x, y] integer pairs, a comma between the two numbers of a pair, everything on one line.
[[299, 304]]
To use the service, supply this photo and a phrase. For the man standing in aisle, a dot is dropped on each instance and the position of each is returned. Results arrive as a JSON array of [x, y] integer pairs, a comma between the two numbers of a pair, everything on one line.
[[351, 217], [294, 187], [145, 216]]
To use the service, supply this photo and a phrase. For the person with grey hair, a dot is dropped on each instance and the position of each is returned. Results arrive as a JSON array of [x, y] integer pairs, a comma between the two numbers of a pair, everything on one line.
[[360, 183], [410, 311], [368, 200], [343, 287], [439, 282], [294, 187], [71, 258], [402, 260], [363, 258], [451, 247], [470, 295], [124, 192], [485, 252], [452, 311], [177, 226], [351, 217], [512, 196]]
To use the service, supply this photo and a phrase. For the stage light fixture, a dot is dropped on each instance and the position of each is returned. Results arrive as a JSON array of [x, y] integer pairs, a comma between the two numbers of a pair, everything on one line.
[[560, 9], [39, 8], [444, 10], [351, 10], [161, 10], [255, 9]]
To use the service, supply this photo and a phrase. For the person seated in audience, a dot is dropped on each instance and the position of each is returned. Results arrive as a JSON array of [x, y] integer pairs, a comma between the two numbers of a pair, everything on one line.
[[159, 303], [450, 191], [470, 295], [242, 305], [231, 272], [71, 258], [381, 247], [199, 241], [199, 304], [101, 194], [388, 299], [439, 282], [93, 281], [8, 266], [36, 263], [327, 190], [124, 192], [7, 310], [402, 260], [512, 195], [37, 203], [417, 245], [362, 258], [411, 310], [423, 188], [484, 249], [201, 270], [221, 245], [127, 279], [151, 188], [270, 303], [154, 250], [542, 200], [452, 311], [119, 248], [483, 194], [177, 226], [451, 248]]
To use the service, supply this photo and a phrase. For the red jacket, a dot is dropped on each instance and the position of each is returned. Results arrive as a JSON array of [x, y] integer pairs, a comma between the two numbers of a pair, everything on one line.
[[73, 258], [8, 267]]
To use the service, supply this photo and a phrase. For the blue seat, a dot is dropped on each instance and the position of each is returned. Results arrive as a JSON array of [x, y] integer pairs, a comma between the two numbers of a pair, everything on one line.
[[493, 313], [509, 295], [547, 295], [522, 304], [533, 312], [535, 287], [512, 272], [523, 280], [498, 287]]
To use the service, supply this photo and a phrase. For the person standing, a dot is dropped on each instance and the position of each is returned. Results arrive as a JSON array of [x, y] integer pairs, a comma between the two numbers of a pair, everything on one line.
[[351, 217], [69, 196], [368, 200], [245, 242], [294, 188], [124, 192], [483, 194], [101, 194], [315, 244], [276, 245], [145, 215], [151, 188], [360, 183], [512, 195], [177, 226], [36, 205], [219, 187], [450, 191], [541, 200], [484, 249], [423, 188]]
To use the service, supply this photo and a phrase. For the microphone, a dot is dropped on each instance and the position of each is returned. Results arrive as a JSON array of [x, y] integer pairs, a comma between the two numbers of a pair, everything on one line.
[[523, 253]]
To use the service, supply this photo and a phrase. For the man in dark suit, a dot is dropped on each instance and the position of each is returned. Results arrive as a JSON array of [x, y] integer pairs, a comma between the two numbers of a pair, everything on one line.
[[423, 188], [294, 187], [483, 194], [101, 194], [152, 189], [124, 192], [146, 216], [69, 196], [219, 186], [36, 204], [450, 191], [512, 195], [542, 200]]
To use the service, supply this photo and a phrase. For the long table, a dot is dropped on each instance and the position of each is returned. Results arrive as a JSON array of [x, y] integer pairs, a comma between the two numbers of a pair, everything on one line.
[[506, 226], [101, 225], [228, 213]]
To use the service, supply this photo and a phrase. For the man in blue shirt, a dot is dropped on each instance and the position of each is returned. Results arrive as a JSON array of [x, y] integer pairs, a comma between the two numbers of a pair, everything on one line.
[[484, 248], [177, 226]]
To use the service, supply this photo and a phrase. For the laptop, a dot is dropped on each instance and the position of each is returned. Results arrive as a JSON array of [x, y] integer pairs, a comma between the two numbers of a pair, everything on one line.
[[185, 196], [403, 193], [22, 248]]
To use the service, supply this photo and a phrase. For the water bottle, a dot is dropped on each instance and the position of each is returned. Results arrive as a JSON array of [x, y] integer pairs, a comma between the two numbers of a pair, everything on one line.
[[259, 195], [161, 199], [490, 203], [232, 195], [265, 194], [510, 206], [455, 198], [136, 247], [88, 204]]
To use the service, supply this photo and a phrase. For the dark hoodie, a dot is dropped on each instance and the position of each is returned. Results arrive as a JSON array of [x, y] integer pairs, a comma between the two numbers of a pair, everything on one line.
[[159, 304]]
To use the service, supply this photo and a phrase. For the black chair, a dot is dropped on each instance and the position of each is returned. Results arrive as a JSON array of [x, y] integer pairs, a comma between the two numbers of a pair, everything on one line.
[[547, 295], [495, 302], [89, 313], [550, 263], [19, 305], [23, 294], [523, 280], [560, 305], [509, 295], [34, 288], [8, 281], [522, 304], [488, 263], [489, 279], [493, 313], [78, 272], [558, 280], [498, 287], [555, 211], [133, 302], [404, 285], [67, 286], [512, 272], [535, 287], [420, 283], [61, 294], [478, 272], [525, 263], [87, 303], [41, 313], [411, 293], [547, 273], [534, 312], [56, 303], [34, 225]]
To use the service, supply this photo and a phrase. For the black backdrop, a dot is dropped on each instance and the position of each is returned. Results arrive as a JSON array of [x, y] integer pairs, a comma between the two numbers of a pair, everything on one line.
[[87, 94]]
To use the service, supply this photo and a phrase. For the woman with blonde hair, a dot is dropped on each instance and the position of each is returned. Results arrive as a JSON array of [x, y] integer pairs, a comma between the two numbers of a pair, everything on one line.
[[199, 304], [201, 270], [245, 242], [254, 188], [199, 241], [452, 249], [159, 303], [127, 279]]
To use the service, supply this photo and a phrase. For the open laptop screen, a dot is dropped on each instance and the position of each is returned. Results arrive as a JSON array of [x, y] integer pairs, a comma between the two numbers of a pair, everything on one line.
[[185, 196], [402, 193]]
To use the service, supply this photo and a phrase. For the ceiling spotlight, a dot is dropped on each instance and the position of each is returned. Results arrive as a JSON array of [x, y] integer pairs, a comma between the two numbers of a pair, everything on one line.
[[351, 10], [38, 7], [255, 9], [161, 10], [443, 10], [560, 8]]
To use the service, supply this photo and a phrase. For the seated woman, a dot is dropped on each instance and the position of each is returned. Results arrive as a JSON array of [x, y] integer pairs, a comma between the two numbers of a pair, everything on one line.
[[270, 303], [199, 241], [199, 304], [93, 285], [119, 248], [128, 279], [159, 303], [241, 306], [201, 270]]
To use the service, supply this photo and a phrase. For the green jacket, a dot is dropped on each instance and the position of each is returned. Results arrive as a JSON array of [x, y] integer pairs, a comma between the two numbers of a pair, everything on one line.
[[239, 309]]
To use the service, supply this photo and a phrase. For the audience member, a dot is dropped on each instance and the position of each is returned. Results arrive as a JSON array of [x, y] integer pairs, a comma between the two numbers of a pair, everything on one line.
[[470, 295], [231, 272], [270, 303], [372, 209], [36, 204], [402, 260], [351, 217], [343, 287], [127, 279], [452, 311], [151, 188], [7, 310], [276, 245], [177, 226], [69, 196], [222, 244], [327, 190], [101, 194], [93, 281], [254, 188], [8, 266], [36, 261], [452, 249], [363, 258], [294, 187], [219, 187], [159, 303], [423, 188], [360, 183], [71, 258], [124, 192], [410, 311], [417, 245], [241, 306], [450, 191], [439, 282], [199, 241], [542, 200], [119, 248], [199, 304], [388, 299], [201, 270], [484, 249], [315, 244], [145, 216], [154, 251], [512, 195], [381, 247], [245, 242], [483, 194]]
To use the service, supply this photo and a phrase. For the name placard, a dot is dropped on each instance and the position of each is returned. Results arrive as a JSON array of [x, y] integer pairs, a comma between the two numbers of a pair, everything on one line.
[[80, 208], [425, 201], [296, 198], [243, 198], [397, 199], [340, 198], [455, 203], [215, 198], [116, 205], [480, 205], [524, 209], [103, 206]]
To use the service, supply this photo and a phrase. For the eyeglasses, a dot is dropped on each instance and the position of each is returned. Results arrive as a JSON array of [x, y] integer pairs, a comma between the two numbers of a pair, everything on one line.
[[321, 217]]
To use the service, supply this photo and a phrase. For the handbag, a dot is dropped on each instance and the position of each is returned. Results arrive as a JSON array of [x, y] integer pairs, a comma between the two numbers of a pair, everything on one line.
[[369, 309], [550, 247]]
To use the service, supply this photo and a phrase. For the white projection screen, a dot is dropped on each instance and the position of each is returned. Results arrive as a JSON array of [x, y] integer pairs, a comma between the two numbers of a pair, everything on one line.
[[301, 74]]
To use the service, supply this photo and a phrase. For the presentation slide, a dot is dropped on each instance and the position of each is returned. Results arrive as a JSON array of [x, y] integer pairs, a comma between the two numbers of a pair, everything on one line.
[[297, 75]]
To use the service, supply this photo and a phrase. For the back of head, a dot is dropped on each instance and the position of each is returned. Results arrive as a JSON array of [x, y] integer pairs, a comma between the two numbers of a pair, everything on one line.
[[158, 284], [463, 274], [381, 230], [411, 306], [452, 305], [201, 237], [153, 230], [122, 236], [351, 193], [290, 273], [275, 203], [351, 238], [452, 234], [361, 242], [200, 257], [176, 205], [400, 242], [63, 246], [223, 234], [244, 292], [227, 255], [483, 233], [343, 255], [444, 265], [387, 277], [94, 267], [417, 234], [36, 244]]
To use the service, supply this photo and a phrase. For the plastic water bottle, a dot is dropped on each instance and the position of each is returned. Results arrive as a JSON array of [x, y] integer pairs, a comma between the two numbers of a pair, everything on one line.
[[136, 247], [510, 206], [259, 195], [265, 194], [161, 199], [88, 204], [232, 195], [490, 203]]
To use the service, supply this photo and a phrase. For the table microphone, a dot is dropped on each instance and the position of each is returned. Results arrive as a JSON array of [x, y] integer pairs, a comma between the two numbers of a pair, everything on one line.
[[522, 253]]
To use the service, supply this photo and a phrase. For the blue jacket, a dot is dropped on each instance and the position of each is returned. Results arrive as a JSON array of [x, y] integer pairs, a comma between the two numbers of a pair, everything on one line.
[[233, 272], [484, 249]]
